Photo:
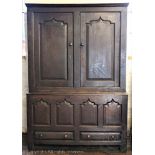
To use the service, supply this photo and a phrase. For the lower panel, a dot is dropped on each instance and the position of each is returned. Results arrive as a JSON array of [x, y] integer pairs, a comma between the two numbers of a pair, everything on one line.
[[77, 119]]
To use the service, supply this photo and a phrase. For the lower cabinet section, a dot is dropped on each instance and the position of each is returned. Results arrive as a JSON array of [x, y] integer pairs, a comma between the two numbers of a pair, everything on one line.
[[79, 119]]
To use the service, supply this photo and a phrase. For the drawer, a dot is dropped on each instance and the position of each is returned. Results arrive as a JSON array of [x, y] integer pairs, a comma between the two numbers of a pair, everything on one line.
[[54, 135], [110, 136]]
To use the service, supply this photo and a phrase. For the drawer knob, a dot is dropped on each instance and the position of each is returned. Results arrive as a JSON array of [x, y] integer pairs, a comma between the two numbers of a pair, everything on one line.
[[88, 136], [70, 44], [112, 137], [41, 135], [66, 136], [81, 44]]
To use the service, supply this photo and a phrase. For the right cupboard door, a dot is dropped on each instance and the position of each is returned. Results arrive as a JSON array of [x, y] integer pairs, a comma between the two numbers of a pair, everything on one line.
[[100, 46]]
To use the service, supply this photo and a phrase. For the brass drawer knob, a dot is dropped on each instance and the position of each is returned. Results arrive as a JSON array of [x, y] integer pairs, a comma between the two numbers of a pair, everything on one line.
[[70, 44], [88, 136], [112, 137], [41, 135], [81, 44], [66, 136]]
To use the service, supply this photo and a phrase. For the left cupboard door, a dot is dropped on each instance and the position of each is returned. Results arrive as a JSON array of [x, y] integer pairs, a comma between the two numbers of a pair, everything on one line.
[[51, 57]]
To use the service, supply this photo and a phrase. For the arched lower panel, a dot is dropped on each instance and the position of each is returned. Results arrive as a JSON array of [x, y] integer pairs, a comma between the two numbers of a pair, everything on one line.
[[41, 113], [88, 113], [64, 113], [112, 113]]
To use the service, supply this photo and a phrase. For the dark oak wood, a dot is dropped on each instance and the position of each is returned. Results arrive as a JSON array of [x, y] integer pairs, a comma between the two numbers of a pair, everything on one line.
[[89, 113], [100, 51], [72, 47], [54, 135], [41, 113], [101, 136], [112, 113], [77, 65], [86, 114], [53, 49], [65, 113], [79, 5]]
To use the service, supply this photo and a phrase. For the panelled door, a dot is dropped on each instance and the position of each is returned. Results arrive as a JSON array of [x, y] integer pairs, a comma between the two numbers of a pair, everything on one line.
[[53, 49], [100, 39], [96, 55]]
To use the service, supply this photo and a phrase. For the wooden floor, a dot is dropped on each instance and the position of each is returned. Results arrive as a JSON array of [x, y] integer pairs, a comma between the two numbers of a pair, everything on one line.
[[26, 152]]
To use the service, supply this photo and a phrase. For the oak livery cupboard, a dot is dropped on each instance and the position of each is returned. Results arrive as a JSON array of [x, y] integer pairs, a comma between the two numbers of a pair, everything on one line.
[[77, 74]]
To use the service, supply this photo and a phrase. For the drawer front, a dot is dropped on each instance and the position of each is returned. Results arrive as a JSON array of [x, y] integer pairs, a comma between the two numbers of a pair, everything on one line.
[[115, 136], [54, 135]]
